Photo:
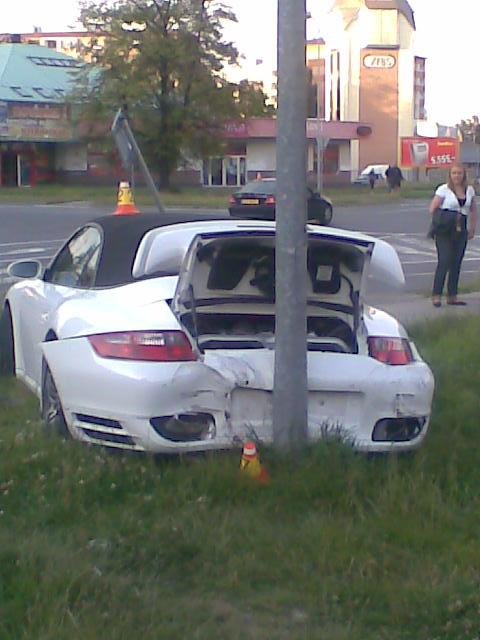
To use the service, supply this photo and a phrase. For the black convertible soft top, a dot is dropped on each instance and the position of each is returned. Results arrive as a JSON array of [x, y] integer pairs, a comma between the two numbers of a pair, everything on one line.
[[122, 236]]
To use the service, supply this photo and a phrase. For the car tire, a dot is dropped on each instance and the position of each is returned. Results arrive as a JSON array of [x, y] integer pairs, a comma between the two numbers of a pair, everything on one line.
[[328, 215], [7, 347], [52, 412]]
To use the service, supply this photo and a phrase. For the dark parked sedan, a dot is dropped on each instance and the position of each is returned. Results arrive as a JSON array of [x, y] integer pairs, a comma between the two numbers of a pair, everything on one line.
[[257, 200]]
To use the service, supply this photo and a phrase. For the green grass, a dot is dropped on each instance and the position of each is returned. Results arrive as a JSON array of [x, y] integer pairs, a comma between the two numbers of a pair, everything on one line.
[[470, 287], [338, 547], [216, 197]]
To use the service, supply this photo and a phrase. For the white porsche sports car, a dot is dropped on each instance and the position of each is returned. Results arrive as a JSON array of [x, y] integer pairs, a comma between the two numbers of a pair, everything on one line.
[[157, 333]]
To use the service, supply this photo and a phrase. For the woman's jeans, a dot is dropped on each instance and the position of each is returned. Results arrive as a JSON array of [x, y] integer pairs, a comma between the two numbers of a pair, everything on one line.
[[450, 251]]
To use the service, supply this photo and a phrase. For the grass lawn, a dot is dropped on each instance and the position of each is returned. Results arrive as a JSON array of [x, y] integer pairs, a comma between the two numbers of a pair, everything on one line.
[[216, 198], [338, 547]]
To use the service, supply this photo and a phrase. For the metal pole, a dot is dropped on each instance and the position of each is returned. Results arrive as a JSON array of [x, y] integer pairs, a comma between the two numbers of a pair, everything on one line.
[[290, 422], [319, 159], [319, 131], [130, 152], [143, 166]]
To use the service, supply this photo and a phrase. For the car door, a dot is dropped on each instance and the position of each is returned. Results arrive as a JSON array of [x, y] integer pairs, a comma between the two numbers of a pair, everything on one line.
[[72, 271]]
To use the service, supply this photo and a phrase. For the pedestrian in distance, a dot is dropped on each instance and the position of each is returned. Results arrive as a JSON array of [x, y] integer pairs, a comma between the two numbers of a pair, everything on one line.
[[455, 200], [394, 177], [371, 178]]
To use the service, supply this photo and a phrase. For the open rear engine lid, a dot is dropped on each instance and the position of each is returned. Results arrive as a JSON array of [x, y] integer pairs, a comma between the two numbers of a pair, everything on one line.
[[231, 268]]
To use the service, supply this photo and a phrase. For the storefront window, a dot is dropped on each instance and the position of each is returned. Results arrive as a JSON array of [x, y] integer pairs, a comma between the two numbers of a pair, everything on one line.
[[216, 172], [229, 171]]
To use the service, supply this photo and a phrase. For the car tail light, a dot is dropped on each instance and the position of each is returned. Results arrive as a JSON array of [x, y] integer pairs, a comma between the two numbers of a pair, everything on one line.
[[390, 350], [231, 200], [270, 200], [155, 346]]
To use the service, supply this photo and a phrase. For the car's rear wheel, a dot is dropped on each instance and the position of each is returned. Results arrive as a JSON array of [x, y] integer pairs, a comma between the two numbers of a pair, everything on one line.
[[7, 349], [52, 412]]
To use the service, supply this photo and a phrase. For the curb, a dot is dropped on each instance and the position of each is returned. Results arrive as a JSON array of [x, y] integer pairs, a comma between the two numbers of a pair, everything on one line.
[[414, 309]]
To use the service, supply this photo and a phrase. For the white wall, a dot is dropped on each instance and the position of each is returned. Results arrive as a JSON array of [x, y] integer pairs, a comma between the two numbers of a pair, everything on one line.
[[71, 157], [345, 156], [261, 155]]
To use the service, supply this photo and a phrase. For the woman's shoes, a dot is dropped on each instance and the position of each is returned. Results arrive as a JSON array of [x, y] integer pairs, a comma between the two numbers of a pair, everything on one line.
[[454, 301], [436, 301]]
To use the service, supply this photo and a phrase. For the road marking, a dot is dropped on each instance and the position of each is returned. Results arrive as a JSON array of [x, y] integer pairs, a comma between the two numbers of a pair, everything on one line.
[[23, 251], [15, 244], [430, 273], [40, 258]]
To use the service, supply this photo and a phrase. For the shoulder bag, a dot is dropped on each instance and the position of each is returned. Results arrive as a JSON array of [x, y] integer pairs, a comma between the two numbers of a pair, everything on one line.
[[443, 222]]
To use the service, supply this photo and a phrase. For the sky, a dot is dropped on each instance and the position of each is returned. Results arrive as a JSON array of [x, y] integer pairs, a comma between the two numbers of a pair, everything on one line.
[[446, 36]]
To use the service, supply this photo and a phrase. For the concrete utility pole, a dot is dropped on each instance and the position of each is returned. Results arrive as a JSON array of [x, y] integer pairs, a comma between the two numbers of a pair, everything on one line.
[[290, 385]]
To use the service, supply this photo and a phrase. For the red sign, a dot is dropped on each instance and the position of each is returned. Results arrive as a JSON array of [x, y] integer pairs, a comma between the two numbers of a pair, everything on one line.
[[430, 153], [236, 129]]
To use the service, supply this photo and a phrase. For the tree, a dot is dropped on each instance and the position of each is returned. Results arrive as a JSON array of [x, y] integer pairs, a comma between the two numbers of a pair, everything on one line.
[[251, 100], [163, 61], [470, 130]]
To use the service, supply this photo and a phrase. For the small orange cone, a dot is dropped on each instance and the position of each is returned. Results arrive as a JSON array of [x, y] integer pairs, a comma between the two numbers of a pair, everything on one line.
[[251, 466], [125, 204]]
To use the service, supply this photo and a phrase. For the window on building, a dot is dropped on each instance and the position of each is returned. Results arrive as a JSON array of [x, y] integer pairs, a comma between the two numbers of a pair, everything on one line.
[[335, 95], [51, 44], [228, 171]]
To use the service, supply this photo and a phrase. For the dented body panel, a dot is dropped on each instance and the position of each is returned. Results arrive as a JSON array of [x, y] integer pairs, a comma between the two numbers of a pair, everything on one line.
[[348, 394]]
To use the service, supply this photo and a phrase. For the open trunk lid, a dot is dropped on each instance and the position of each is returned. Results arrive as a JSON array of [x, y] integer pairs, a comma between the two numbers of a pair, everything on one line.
[[225, 296]]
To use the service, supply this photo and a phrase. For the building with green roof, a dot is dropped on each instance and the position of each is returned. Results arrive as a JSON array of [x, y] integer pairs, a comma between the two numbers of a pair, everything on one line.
[[37, 138]]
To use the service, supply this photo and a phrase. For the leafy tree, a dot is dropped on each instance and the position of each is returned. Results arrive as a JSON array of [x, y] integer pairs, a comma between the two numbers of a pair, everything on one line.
[[251, 100], [470, 130], [163, 61]]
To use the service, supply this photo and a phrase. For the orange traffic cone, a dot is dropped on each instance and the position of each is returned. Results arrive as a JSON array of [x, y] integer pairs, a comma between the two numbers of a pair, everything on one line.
[[125, 204], [251, 466]]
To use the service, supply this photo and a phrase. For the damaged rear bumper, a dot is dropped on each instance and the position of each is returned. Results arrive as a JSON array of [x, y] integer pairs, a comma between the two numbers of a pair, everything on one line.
[[226, 398]]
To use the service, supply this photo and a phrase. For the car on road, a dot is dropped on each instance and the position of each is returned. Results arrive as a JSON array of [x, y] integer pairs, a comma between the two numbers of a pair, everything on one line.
[[257, 200], [157, 333]]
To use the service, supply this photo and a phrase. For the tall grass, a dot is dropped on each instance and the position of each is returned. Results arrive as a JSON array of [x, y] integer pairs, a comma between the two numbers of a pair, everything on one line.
[[338, 547]]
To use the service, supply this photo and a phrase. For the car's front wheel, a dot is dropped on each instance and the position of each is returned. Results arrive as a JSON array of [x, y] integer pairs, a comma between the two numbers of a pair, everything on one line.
[[7, 349], [52, 412]]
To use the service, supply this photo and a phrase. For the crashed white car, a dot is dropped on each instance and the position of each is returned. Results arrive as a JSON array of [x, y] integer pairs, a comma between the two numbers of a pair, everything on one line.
[[157, 333]]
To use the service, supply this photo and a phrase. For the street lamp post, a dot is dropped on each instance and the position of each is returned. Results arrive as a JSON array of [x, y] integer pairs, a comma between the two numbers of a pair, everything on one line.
[[290, 383], [319, 153], [321, 141]]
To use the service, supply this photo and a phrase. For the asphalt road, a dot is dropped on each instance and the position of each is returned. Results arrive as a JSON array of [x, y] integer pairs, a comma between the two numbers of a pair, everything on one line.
[[37, 231]]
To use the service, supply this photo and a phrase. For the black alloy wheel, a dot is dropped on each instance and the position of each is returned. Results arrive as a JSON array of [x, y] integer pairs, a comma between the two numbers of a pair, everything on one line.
[[52, 412], [7, 349]]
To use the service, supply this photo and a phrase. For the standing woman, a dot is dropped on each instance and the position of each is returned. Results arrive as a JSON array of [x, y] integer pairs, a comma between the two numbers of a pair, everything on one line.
[[456, 196]]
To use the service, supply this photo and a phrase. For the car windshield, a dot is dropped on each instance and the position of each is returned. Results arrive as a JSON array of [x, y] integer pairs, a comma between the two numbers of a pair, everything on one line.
[[260, 186]]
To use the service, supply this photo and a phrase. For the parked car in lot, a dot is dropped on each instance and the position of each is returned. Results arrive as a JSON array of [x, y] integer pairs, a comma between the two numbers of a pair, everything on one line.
[[258, 199], [157, 333]]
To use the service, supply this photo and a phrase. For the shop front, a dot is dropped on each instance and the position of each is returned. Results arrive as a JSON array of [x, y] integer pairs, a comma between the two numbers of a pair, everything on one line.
[[29, 136]]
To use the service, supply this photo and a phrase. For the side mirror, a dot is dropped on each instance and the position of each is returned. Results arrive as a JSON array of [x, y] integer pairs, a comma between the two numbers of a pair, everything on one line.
[[25, 269]]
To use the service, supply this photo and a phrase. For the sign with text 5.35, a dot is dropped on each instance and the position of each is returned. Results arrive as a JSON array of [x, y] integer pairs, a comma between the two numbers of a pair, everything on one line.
[[429, 152]]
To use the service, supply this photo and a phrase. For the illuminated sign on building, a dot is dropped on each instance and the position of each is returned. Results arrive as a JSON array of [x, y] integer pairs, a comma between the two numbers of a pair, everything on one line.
[[36, 130], [374, 61]]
